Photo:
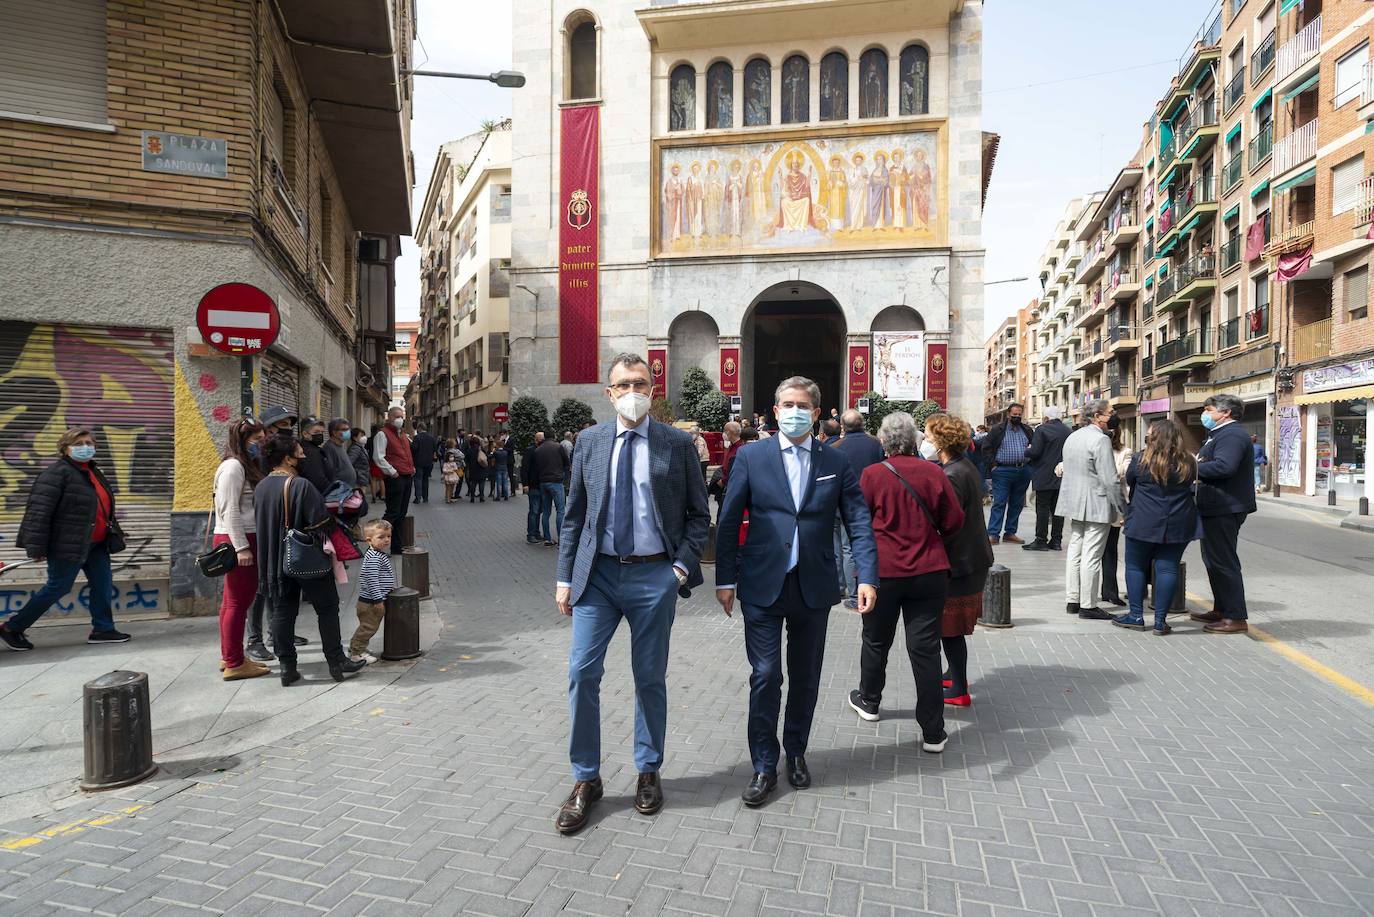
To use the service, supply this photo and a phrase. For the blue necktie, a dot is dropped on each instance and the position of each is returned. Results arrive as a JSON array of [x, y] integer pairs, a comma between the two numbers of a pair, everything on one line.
[[623, 534]]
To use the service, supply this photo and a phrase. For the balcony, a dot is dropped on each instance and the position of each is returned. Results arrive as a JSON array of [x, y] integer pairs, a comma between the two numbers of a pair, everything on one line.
[[1121, 339], [1184, 353], [1199, 197], [1196, 277], [1121, 392], [1231, 253], [1262, 59], [1205, 50], [1197, 129], [1147, 309], [1367, 92], [1296, 149], [1124, 284], [1228, 334], [1298, 50], [1167, 154], [1290, 237], [1312, 342], [1147, 367], [1123, 226], [1232, 172], [1235, 91], [1262, 146], [1093, 260], [1364, 210], [1164, 292], [1257, 323]]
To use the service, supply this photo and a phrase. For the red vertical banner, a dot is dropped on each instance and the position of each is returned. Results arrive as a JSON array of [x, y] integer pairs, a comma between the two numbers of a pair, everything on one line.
[[859, 374], [937, 374], [729, 370], [579, 221], [658, 371]]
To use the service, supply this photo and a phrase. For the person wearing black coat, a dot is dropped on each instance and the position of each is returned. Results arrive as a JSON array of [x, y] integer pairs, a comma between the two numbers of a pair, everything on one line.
[[69, 521], [422, 450], [476, 471], [529, 479], [1045, 453], [313, 467], [1225, 496]]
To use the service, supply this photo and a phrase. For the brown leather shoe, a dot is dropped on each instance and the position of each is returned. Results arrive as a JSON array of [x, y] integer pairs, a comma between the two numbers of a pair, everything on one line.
[[648, 794], [1227, 626], [573, 814], [1209, 617], [1013, 539], [993, 539]]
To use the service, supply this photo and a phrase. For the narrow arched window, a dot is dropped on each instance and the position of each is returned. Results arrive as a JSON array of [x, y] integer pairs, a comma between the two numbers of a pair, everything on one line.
[[834, 86], [796, 90], [682, 98], [720, 95], [915, 81], [582, 63], [873, 84], [758, 93]]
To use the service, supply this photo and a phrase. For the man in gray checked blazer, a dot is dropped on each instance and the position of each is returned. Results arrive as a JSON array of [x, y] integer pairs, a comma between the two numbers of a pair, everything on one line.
[[632, 538], [1090, 500]]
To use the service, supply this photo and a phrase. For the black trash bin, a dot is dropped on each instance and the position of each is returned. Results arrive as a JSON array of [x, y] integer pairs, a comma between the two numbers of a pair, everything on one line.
[[401, 626], [118, 731]]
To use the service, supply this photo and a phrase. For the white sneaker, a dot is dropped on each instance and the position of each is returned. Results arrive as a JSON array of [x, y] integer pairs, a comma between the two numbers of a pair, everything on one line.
[[365, 658], [934, 747]]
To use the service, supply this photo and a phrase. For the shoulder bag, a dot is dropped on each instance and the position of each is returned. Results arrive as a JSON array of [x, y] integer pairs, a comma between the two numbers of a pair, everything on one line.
[[219, 560], [302, 555], [915, 496]]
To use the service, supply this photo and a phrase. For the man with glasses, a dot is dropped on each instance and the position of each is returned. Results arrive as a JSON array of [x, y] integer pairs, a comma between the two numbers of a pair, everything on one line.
[[1090, 500], [630, 544], [1224, 499]]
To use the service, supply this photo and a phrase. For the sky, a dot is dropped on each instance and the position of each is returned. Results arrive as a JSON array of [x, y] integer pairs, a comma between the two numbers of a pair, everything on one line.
[[1068, 84]]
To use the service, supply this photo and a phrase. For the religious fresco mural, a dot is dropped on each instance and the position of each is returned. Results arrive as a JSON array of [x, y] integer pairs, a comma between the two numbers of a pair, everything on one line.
[[872, 190]]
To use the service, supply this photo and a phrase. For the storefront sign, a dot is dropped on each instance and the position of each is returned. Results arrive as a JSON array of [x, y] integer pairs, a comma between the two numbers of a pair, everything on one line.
[[578, 250], [1290, 447], [899, 365], [185, 154], [858, 373], [1251, 389], [658, 370], [937, 374], [1344, 375], [729, 370], [1155, 406]]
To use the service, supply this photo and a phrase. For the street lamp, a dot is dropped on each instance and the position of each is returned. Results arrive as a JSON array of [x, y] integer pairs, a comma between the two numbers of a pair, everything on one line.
[[993, 283], [506, 79]]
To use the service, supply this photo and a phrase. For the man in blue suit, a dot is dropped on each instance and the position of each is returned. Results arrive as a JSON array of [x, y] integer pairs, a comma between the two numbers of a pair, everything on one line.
[[784, 574], [631, 542], [862, 450], [1225, 496]]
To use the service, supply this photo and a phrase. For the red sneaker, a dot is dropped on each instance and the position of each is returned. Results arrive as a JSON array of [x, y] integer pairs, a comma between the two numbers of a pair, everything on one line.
[[962, 700]]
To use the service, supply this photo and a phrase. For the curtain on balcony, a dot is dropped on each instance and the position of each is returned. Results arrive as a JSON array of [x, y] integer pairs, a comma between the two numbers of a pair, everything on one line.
[[1294, 264], [1254, 239]]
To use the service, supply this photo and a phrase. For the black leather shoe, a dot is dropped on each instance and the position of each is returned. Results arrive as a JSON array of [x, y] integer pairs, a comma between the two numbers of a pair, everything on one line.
[[345, 668], [1035, 546], [1073, 608], [758, 789], [648, 794], [1094, 614], [259, 653], [300, 641], [289, 677], [1056, 545], [797, 772], [577, 808]]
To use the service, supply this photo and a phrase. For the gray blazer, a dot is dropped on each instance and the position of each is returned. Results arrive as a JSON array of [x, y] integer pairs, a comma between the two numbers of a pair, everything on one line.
[[1091, 489], [680, 506]]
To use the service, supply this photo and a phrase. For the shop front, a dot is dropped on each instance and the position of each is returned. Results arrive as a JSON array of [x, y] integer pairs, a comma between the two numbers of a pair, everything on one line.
[[1257, 394], [1334, 406]]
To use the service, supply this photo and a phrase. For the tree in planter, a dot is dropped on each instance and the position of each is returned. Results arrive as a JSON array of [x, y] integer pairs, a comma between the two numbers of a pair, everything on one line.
[[713, 410], [528, 415], [923, 411], [661, 409], [571, 414], [879, 407], [695, 385]]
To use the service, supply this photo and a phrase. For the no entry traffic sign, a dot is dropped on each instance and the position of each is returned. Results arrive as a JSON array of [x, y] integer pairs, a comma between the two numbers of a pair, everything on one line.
[[500, 414], [238, 318]]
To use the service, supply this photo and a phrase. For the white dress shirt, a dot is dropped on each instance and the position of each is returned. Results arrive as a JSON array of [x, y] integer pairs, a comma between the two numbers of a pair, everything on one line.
[[647, 539], [796, 460]]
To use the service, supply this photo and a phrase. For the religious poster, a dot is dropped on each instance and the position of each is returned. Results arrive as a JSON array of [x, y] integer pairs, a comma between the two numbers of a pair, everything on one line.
[[1290, 446], [937, 374], [858, 373], [578, 250], [729, 370], [658, 370], [899, 364], [802, 193]]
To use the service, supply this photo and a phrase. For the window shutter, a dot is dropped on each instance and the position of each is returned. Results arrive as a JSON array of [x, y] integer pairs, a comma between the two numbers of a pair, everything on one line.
[[1345, 184], [1357, 290], [1349, 72], [52, 59]]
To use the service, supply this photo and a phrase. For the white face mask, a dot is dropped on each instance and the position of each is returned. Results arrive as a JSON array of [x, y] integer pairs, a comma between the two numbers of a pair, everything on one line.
[[928, 450], [632, 406], [399, 422]]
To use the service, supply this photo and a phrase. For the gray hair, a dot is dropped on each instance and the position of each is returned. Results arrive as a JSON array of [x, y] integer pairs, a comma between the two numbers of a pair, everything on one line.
[[898, 434], [1225, 402], [1053, 412], [626, 360], [734, 428], [852, 421], [1095, 407], [802, 383]]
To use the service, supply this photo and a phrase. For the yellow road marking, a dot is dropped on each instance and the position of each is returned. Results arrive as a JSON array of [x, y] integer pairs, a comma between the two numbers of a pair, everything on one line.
[[1344, 682], [76, 827]]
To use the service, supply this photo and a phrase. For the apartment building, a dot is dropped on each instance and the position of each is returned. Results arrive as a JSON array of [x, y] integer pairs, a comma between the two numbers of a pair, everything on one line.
[[464, 232], [150, 153], [1008, 359], [402, 359]]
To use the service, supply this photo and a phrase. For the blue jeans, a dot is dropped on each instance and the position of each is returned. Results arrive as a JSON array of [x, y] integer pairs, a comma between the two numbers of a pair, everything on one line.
[[646, 596], [1008, 498], [532, 517], [61, 578], [1140, 556], [844, 562], [552, 495], [502, 483]]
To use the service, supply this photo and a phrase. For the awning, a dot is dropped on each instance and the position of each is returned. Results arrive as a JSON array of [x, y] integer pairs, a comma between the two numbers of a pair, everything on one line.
[[1259, 189], [1264, 97], [1192, 145], [1234, 211], [1168, 246], [1287, 5], [1232, 132], [1299, 179], [1189, 226], [1339, 394], [1169, 172], [1302, 87], [1149, 280]]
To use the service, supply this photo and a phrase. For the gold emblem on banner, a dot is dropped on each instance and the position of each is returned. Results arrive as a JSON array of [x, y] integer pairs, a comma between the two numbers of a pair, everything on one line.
[[937, 363], [579, 210], [729, 366], [656, 368], [860, 365]]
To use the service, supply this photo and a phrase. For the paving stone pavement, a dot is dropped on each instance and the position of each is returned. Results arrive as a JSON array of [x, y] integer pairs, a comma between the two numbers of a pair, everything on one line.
[[1099, 772]]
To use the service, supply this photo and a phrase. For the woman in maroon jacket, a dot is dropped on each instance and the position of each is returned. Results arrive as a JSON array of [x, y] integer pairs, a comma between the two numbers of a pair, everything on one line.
[[914, 509]]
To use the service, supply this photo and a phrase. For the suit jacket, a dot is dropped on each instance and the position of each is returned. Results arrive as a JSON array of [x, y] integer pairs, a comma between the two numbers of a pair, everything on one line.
[[861, 449], [680, 506], [422, 449], [1225, 470], [758, 483], [1162, 513], [1091, 489], [1046, 451]]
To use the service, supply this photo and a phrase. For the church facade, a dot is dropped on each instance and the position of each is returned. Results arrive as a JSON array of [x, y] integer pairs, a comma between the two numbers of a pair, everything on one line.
[[760, 189]]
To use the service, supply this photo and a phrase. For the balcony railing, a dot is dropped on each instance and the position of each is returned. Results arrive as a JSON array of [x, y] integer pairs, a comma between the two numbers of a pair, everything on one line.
[[1147, 366], [1125, 274], [1203, 115], [1202, 191], [1262, 146], [1367, 84], [1123, 216], [1235, 90], [1147, 308], [1228, 334], [1257, 322], [1364, 210], [1312, 342], [1231, 252], [1295, 232], [1263, 57], [1193, 344], [1299, 49], [1166, 288], [1296, 148], [1168, 153], [1232, 172]]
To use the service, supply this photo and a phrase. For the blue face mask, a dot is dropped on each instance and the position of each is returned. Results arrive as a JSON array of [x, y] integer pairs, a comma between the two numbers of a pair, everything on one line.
[[346, 435], [794, 422], [253, 449], [83, 453], [1209, 420]]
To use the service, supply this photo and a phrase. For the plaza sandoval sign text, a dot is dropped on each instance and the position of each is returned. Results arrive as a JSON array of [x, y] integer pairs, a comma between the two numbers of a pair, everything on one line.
[[185, 154]]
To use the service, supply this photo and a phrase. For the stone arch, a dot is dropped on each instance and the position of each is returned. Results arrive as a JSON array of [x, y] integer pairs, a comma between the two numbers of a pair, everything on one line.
[[898, 318], [693, 340], [792, 328]]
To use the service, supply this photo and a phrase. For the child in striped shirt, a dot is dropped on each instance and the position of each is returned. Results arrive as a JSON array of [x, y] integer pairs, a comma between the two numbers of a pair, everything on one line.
[[377, 580]]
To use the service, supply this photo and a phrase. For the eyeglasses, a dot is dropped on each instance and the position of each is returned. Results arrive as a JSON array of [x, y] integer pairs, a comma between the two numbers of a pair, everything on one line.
[[804, 405], [634, 385]]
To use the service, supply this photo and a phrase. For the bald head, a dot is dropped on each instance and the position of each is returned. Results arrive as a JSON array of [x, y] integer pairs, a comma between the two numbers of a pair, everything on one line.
[[852, 421]]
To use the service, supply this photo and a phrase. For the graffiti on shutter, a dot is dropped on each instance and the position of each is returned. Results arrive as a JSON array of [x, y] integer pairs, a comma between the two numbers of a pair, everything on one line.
[[117, 383], [279, 384], [326, 402]]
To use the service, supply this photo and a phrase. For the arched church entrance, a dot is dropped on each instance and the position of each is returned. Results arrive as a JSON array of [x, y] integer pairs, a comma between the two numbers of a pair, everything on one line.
[[693, 340], [792, 329]]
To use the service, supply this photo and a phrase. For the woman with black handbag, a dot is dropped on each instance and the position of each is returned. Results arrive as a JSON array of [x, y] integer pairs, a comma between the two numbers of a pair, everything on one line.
[[69, 521], [291, 522], [236, 526]]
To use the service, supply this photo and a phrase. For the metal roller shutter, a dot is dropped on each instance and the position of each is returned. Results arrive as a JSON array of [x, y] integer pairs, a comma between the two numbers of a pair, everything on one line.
[[52, 59], [279, 385], [326, 403], [118, 383]]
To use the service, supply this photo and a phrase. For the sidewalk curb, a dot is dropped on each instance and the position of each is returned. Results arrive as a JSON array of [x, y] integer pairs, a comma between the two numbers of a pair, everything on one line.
[[1341, 511], [1358, 523]]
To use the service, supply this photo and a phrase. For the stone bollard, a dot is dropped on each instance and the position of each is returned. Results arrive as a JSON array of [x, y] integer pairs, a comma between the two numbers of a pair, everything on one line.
[[997, 598], [401, 626], [708, 553], [407, 533], [118, 731], [1363, 506], [415, 570], [1180, 603]]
